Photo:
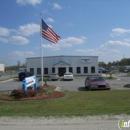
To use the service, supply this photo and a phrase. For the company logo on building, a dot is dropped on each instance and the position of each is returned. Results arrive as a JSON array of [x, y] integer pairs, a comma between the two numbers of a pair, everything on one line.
[[122, 124], [86, 59]]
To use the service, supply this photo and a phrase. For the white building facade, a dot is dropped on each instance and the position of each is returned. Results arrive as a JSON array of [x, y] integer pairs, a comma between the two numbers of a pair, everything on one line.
[[78, 65], [2, 67]]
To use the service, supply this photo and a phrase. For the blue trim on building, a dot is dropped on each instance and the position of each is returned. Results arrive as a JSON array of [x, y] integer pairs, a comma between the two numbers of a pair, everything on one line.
[[61, 62]]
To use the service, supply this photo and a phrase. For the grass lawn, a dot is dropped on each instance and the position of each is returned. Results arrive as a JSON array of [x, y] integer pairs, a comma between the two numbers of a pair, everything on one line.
[[73, 104]]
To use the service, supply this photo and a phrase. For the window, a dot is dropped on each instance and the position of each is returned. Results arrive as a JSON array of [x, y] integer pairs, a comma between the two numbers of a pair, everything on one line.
[[53, 70], [38, 70], [92, 69], [45, 70], [78, 70], [71, 69], [85, 69], [32, 70]]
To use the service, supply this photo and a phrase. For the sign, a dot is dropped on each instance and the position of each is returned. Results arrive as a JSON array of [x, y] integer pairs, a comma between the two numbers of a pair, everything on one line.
[[86, 60], [29, 81], [122, 124]]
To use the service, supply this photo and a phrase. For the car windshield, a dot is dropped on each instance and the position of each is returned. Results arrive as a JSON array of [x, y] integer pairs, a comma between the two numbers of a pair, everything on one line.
[[97, 79], [67, 73]]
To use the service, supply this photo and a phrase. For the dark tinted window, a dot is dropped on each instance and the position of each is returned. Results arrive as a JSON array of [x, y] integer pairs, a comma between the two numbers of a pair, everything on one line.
[[85, 69], [53, 70], [71, 69], [38, 70], [78, 70], [92, 69], [45, 70], [32, 70]]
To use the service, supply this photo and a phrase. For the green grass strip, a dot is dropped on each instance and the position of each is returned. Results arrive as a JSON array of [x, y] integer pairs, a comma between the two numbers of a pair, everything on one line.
[[73, 104]]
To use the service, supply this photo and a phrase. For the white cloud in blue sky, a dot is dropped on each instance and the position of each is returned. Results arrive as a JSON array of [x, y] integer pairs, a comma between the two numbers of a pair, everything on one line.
[[4, 31], [32, 2], [28, 29], [119, 32], [99, 28], [50, 20], [57, 6], [19, 40]]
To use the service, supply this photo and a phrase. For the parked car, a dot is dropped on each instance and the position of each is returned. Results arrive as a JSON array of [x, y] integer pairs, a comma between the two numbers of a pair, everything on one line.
[[68, 76], [96, 83], [54, 76], [23, 75], [103, 71]]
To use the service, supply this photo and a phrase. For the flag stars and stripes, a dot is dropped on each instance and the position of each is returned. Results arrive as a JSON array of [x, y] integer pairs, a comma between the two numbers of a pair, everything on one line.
[[48, 33]]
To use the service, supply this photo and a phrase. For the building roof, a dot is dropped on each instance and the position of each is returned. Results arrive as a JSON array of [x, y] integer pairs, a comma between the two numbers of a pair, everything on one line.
[[61, 56]]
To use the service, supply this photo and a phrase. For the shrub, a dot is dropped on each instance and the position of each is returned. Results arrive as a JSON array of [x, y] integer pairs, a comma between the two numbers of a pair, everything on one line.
[[41, 89], [23, 94], [45, 79]]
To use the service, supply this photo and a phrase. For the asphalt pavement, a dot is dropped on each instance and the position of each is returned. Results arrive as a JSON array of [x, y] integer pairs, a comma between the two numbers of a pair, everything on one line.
[[8, 77], [10, 82]]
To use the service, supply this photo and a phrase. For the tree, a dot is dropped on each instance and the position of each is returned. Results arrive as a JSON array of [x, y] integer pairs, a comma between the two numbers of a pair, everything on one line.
[[102, 64], [111, 73]]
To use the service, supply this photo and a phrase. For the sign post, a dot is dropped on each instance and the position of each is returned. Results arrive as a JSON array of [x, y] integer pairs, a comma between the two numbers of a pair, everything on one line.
[[29, 81]]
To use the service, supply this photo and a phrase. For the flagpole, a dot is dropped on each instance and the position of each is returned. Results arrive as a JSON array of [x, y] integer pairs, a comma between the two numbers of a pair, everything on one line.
[[41, 48]]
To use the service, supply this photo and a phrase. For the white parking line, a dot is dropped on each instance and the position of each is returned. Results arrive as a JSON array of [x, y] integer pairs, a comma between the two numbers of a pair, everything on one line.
[[6, 81]]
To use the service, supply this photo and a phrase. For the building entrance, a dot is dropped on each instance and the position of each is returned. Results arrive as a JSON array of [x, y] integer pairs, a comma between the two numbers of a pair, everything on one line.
[[61, 71]]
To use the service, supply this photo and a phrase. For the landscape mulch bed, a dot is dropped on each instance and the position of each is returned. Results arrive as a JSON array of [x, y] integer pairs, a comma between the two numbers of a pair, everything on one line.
[[56, 94], [39, 96]]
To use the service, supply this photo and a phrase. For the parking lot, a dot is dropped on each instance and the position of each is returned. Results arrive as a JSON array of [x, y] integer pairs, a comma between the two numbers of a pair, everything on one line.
[[78, 83], [75, 85]]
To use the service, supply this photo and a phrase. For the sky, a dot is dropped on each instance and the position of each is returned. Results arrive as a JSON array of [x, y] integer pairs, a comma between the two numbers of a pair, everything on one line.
[[86, 27]]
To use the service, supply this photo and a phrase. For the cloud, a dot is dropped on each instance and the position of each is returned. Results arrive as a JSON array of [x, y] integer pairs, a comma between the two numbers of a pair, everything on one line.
[[4, 31], [127, 39], [72, 40], [70, 24], [119, 32], [19, 40], [117, 44], [21, 56], [50, 26], [93, 52], [50, 20], [28, 29], [57, 6], [52, 47], [3, 40], [109, 50], [21, 53], [32, 2], [67, 42]]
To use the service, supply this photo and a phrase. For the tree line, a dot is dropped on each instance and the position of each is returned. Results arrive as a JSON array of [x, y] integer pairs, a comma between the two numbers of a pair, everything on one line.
[[122, 63]]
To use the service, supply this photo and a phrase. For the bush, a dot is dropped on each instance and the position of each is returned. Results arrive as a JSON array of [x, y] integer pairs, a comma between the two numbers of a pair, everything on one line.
[[45, 79], [41, 89], [23, 94]]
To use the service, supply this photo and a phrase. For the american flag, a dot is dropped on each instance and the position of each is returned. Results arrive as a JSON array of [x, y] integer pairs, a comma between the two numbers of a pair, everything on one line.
[[48, 33]]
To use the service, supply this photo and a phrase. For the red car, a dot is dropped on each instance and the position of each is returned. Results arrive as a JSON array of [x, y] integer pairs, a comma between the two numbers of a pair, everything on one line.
[[96, 83]]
